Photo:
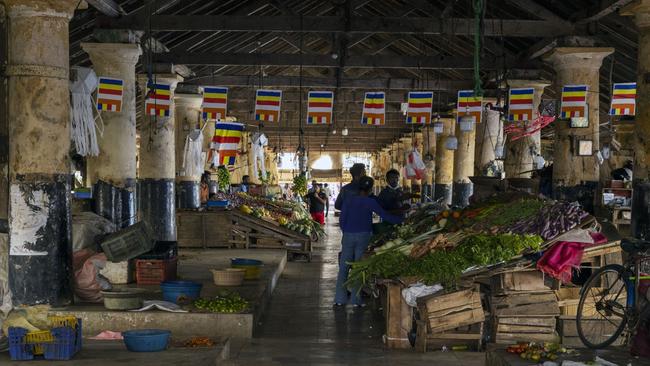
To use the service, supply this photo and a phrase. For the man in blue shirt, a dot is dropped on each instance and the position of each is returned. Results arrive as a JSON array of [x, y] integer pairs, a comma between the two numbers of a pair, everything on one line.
[[357, 171], [392, 198]]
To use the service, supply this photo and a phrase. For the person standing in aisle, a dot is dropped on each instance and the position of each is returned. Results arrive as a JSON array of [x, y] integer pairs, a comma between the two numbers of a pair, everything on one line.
[[356, 224], [328, 194], [392, 198], [316, 200], [351, 189]]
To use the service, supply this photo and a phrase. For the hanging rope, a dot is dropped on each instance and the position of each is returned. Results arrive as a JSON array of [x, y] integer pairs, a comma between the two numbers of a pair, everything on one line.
[[479, 12]]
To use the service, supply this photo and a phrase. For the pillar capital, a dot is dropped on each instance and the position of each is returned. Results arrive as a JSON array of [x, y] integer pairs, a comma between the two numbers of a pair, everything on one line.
[[171, 79], [112, 53], [640, 10], [188, 100], [538, 85], [40, 8], [578, 57]]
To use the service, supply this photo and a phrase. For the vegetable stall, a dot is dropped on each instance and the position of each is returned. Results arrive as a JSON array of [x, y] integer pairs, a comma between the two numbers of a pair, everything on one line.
[[481, 274]]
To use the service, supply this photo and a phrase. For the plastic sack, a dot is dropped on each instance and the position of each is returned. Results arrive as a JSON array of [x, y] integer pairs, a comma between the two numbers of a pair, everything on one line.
[[87, 227], [88, 283], [412, 293], [415, 167]]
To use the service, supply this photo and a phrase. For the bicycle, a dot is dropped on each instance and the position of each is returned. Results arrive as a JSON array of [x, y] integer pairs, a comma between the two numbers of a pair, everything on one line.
[[610, 299]]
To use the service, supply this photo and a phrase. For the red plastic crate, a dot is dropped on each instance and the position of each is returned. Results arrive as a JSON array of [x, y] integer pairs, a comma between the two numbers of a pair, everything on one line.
[[155, 271]]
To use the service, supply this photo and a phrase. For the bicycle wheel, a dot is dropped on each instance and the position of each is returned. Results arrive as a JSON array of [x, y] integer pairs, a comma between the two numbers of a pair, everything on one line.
[[602, 310]]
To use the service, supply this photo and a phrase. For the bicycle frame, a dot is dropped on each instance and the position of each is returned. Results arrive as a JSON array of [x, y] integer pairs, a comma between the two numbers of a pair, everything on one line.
[[633, 283]]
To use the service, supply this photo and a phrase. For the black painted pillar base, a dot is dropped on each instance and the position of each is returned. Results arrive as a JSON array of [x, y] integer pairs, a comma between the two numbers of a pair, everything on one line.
[[114, 203], [641, 210], [189, 194], [427, 191], [443, 192], [156, 207], [40, 240], [584, 194], [461, 193]]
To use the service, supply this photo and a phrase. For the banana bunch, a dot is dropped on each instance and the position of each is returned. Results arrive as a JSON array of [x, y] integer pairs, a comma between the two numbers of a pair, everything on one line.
[[223, 179], [300, 185]]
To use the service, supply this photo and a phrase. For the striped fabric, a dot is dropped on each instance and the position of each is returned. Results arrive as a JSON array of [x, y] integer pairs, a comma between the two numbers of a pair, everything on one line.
[[520, 102], [109, 94], [215, 103], [574, 101], [623, 100], [419, 107], [267, 105], [159, 100], [319, 107], [227, 136], [374, 109], [469, 105]]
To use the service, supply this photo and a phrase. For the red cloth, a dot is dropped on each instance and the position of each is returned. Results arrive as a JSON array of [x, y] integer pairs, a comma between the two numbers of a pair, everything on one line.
[[561, 258], [319, 217]]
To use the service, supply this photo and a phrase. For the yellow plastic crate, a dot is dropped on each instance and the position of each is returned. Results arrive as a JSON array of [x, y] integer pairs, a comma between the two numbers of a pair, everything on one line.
[[37, 339], [62, 321]]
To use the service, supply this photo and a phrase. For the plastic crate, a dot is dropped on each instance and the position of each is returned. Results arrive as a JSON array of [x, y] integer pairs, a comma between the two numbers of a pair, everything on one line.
[[128, 243], [60, 343], [162, 250], [155, 271]]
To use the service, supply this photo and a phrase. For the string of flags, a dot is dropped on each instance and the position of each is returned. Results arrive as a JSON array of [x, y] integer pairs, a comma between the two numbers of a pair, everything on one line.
[[319, 107], [469, 105], [227, 136], [374, 109], [109, 94], [215, 103], [158, 101]]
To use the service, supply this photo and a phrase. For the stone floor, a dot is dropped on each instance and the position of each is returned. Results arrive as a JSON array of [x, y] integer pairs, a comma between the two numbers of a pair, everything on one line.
[[300, 327]]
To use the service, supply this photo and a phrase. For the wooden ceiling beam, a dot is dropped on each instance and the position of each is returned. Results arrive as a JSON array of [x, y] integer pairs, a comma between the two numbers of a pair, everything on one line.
[[338, 24]]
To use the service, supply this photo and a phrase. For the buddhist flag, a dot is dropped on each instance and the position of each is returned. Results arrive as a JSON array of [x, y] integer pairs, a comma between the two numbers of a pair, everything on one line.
[[215, 103], [226, 141], [419, 107], [319, 107], [623, 100], [109, 94], [267, 105], [469, 105], [374, 109], [574, 101], [520, 104], [159, 100]]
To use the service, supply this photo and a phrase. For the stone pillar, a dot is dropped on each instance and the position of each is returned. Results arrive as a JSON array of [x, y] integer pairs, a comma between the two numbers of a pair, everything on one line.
[[576, 177], [463, 166], [405, 146], [640, 10], [487, 137], [187, 116], [39, 144], [444, 163], [113, 171], [520, 153], [156, 199], [207, 129]]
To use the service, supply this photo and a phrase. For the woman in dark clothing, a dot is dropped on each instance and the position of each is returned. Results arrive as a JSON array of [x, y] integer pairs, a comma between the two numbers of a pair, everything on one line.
[[356, 224]]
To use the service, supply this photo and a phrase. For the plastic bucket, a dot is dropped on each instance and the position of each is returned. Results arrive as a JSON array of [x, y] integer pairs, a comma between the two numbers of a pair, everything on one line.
[[146, 340], [253, 267], [181, 292]]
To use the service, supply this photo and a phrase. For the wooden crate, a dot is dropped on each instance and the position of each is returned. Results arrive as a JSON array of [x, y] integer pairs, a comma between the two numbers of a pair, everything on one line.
[[525, 304], [205, 229], [515, 329], [469, 335], [568, 329], [507, 282], [398, 315], [269, 242], [447, 311]]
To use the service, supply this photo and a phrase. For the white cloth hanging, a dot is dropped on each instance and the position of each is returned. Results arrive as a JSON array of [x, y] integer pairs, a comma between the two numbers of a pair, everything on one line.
[[193, 157], [84, 125], [259, 142]]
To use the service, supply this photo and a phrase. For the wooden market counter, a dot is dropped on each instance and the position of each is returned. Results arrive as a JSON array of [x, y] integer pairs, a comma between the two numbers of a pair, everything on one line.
[[233, 229]]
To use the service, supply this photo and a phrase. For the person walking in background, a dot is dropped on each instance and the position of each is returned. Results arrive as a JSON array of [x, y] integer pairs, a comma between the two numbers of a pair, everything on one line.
[[328, 194], [316, 200], [356, 224]]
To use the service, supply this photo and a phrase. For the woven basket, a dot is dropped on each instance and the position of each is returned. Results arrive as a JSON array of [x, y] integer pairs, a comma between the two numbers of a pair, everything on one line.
[[228, 276]]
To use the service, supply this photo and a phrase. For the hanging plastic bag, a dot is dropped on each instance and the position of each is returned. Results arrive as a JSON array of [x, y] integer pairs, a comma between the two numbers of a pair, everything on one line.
[[415, 167]]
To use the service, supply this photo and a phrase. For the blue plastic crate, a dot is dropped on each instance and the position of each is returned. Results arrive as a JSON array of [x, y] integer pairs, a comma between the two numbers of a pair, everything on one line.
[[223, 203], [67, 342]]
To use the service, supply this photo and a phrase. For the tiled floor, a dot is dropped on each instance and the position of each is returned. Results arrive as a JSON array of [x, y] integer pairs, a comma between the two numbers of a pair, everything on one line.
[[302, 328]]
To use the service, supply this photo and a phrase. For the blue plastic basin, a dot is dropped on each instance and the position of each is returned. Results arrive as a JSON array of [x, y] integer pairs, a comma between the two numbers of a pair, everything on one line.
[[245, 262], [146, 340], [180, 292]]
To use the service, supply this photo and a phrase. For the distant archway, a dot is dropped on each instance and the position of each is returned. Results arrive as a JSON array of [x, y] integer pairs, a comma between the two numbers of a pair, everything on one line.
[[323, 163]]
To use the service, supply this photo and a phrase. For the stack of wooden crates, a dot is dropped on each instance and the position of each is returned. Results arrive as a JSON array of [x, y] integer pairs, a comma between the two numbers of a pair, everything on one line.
[[523, 308], [450, 320]]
